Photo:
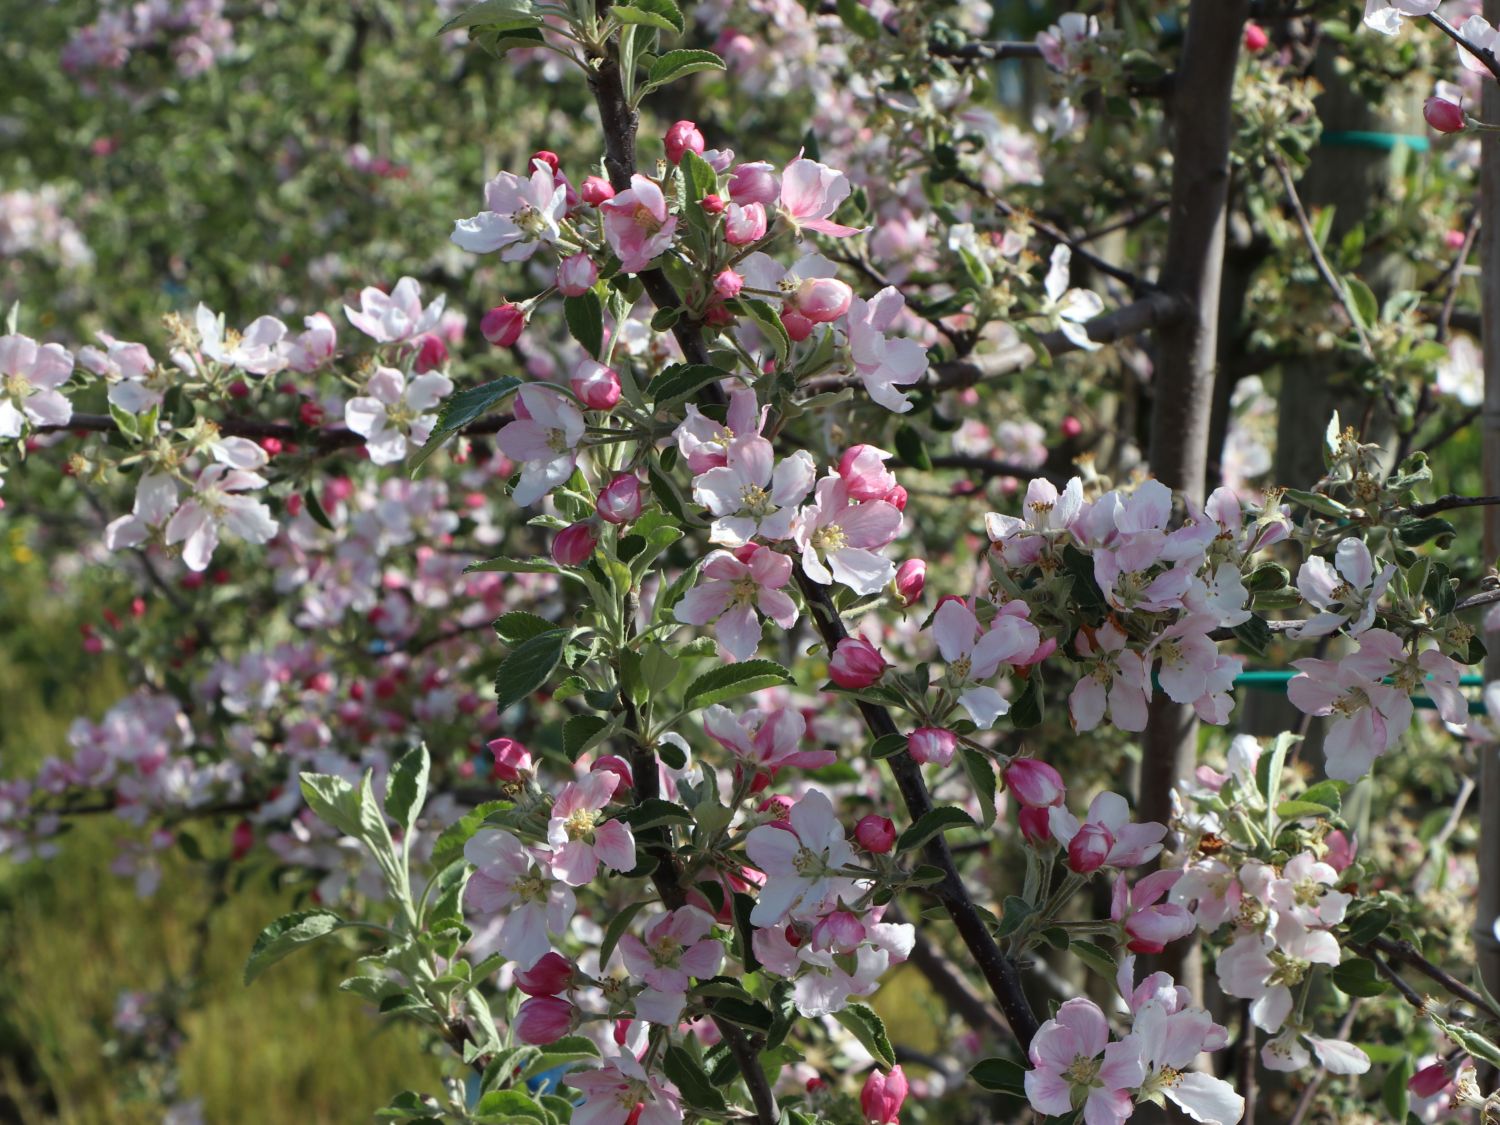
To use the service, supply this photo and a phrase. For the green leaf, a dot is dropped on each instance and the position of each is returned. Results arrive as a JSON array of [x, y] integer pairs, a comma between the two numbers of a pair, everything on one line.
[[1016, 911], [514, 566], [562, 1052], [1086, 589], [862, 1022], [287, 934], [1366, 307], [528, 666], [679, 64], [981, 774], [769, 323], [462, 409], [1268, 576], [746, 1013], [660, 14], [1268, 775], [406, 788], [1096, 958], [653, 811], [333, 800], [580, 732], [1001, 1076], [449, 845], [911, 447], [1028, 709], [518, 626], [1393, 1092], [692, 1081], [510, 1105], [1296, 810], [585, 317], [1323, 505], [888, 746], [1413, 532], [698, 175], [681, 379], [1328, 793], [314, 508], [933, 823], [1368, 926], [1254, 634], [504, 13], [1359, 977], [731, 680], [618, 924], [857, 18]]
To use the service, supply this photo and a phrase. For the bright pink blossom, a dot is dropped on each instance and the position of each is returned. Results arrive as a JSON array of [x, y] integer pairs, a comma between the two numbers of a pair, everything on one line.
[[512, 759], [545, 1019], [1067, 1071], [911, 578], [744, 224], [503, 325], [768, 740], [810, 193], [581, 839], [620, 500], [730, 592], [673, 948], [841, 541], [682, 137], [576, 275], [1034, 783], [636, 224], [882, 1096], [876, 834], [550, 976]]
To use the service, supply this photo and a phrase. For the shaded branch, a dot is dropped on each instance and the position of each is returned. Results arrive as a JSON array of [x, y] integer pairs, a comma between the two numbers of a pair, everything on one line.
[[1451, 501]]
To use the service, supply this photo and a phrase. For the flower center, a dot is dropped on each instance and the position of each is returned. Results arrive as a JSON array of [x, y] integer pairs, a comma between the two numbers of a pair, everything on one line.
[[580, 824], [530, 888], [665, 951], [1084, 1071], [745, 591], [1171, 652], [829, 538], [807, 861], [17, 386], [643, 218], [961, 668], [755, 500], [1288, 970], [1351, 702]]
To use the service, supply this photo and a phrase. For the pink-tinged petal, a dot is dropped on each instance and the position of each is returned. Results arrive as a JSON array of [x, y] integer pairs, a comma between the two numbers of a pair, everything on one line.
[[864, 572], [778, 607], [485, 896], [1270, 1011], [871, 525], [703, 959], [523, 937], [773, 850], [1054, 1047], [12, 421], [724, 567], [1087, 1023], [48, 408], [953, 627], [984, 705], [771, 568], [703, 603], [1206, 1099], [739, 632], [575, 863], [1339, 1057], [614, 844], [1123, 1066], [793, 479], [1048, 1093], [1086, 704]]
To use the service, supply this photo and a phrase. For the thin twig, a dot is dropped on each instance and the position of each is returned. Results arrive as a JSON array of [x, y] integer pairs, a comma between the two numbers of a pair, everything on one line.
[[1334, 282]]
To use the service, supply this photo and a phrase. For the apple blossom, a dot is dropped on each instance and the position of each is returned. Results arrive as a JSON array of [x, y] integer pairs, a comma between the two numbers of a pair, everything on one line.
[[580, 839], [730, 592], [1034, 783], [875, 834], [398, 316], [637, 225], [810, 193], [801, 862], [673, 948], [744, 224], [911, 578], [509, 880], [545, 1019], [545, 441], [620, 500], [750, 495], [856, 664], [839, 541], [597, 386], [883, 1095], [769, 740], [1345, 593], [622, 1091], [1108, 825], [550, 976], [395, 415], [512, 760], [932, 744], [30, 374], [1074, 1065], [884, 363], [1117, 683], [682, 137], [576, 275], [519, 215], [574, 544], [218, 501]]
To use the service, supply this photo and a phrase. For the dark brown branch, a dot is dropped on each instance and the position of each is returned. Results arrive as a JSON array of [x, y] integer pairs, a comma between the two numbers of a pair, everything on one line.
[[1406, 953], [984, 52], [1483, 54], [1451, 501]]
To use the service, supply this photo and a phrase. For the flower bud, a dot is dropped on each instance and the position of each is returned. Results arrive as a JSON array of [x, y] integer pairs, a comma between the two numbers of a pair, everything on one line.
[[712, 203], [681, 137], [310, 413], [823, 299], [911, 578], [1036, 826], [896, 498], [1088, 850], [862, 468], [744, 225], [1035, 784], [620, 500], [753, 183], [1071, 427], [242, 840], [596, 386], [1429, 1081], [1341, 849], [882, 1096], [512, 759], [838, 932], [552, 974], [1444, 116], [1255, 38], [576, 275], [573, 545], [613, 763], [875, 834], [545, 1019], [431, 355], [502, 325], [728, 284], [595, 190], [932, 744], [797, 326], [547, 157], [856, 663]]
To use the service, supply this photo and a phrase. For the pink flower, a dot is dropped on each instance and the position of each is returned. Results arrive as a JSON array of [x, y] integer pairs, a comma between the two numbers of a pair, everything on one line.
[[1149, 923], [1066, 1069], [728, 284], [882, 1096], [573, 545], [550, 976], [1346, 592], [129, 368], [398, 316], [932, 744], [840, 540], [636, 224], [752, 497], [753, 183], [1247, 970], [576, 275], [767, 740], [581, 841], [1371, 715], [682, 136], [1063, 45], [673, 948], [519, 215], [1108, 823], [394, 415], [821, 300], [800, 862], [744, 224], [1034, 783], [620, 500], [810, 193], [1341, 849], [545, 441], [1089, 848], [597, 386], [512, 760], [509, 879], [884, 363], [1117, 684], [545, 1019], [704, 443], [732, 590], [314, 347], [1255, 38], [911, 578], [30, 374], [1188, 658], [838, 931], [863, 470], [856, 664], [620, 1092], [219, 501], [1035, 827], [876, 834], [503, 325], [973, 656], [1172, 1033]]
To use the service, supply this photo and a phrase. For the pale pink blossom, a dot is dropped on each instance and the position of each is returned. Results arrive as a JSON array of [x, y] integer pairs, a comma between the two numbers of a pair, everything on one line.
[[1068, 1072], [30, 374], [1263, 967], [1129, 844], [1385, 16], [636, 224], [750, 495], [1285, 1052], [673, 948], [883, 362], [1117, 682], [398, 316], [974, 656], [841, 541], [219, 502], [704, 443], [768, 740], [545, 441], [1371, 715], [1149, 923], [1346, 592], [128, 368], [1063, 44], [731, 591], [810, 193], [1071, 309], [509, 879], [519, 216], [800, 862], [395, 415], [621, 1091], [581, 839], [1172, 1033], [258, 349]]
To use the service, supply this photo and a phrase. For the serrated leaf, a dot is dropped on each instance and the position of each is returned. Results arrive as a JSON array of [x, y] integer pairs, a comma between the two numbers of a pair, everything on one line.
[[673, 65], [286, 935], [858, 19], [980, 771], [510, 1105], [514, 566], [1096, 958], [1366, 307], [1000, 1076], [729, 681], [580, 732], [1254, 634], [1296, 810], [1014, 914], [1028, 710], [519, 13], [585, 317], [1413, 532], [661, 14], [1368, 926], [518, 626], [682, 379], [333, 800], [406, 788], [561, 1052], [1323, 505], [449, 845], [861, 1021], [888, 746], [653, 811], [619, 922], [528, 666], [1359, 977], [460, 410], [769, 323], [692, 1080], [933, 823]]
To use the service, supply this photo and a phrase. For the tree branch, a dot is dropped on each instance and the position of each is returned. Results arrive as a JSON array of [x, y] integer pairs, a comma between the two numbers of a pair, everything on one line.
[[1451, 501]]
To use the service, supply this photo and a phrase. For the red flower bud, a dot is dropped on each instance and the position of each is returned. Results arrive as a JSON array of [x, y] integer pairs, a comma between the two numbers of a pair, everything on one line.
[[573, 545], [620, 500], [1444, 116], [1035, 784], [512, 759], [911, 578], [1036, 826], [682, 137], [431, 355], [856, 663], [596, 386], [547, 157], [713, 204], [875, 834], [1088, 850], [503, 324], [1255, 38], [545, 1019], [596, 190], [932, 744], [552, 974]]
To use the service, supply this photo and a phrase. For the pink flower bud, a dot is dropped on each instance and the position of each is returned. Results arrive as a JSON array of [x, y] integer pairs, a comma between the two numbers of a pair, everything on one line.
[[728, 284], [797, 326], [545, 1019], [882, 1096], [512, 759], [573, 545], [1088, 850], [431, 355], [838, 932], [753, 183], [1036, 826], [576, 275], [620, 500], [863, 470], [595, 190], [856, 663], [744, 225], [549, 976], [1444, 116], [242, 840], [896, 498], [1071, 427], [823, 299], [1341, 849], [613, 763], [503, 324], [875, 834], [712, 203], [911, 578], [1255, 38], [682, 136], [1430, 1080], [1035, 784], [547, 157], [932, 744], [596, 386]]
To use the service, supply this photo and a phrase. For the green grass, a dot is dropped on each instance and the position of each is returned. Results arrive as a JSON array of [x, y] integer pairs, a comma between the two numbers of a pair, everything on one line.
[[73, 936]]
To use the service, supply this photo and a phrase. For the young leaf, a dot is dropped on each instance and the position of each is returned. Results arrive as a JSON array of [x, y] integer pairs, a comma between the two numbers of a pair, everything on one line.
[[333, 800], [580, 732], [692, 1081], [286, 935], [528, 666], [406, 790], [730, 680], [862, 1022], [1001, 1076], [518, 626], [585, 317], [679, 64], [682, 379], [660, 14], [931, 824], [857, 18], [506, 13], [462, 409]]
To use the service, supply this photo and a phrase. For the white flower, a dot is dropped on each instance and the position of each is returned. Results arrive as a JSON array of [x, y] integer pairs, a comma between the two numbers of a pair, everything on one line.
[[519, 215], [884, 363], [800, 861], [29, 377], [257, 349], [1385, 16], [392, 412], [1072, 308], [218, 501], [544, 438], [392, 318]]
